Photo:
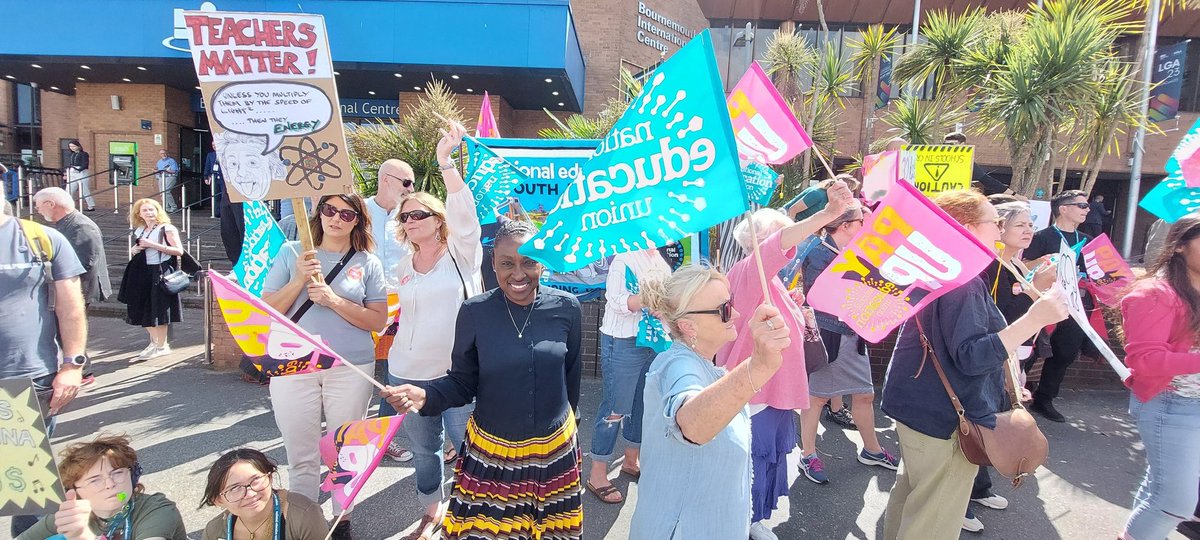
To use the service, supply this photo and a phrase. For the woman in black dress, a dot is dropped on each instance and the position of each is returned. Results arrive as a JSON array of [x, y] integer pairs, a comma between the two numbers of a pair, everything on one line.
[[155, 248], [519, 475]]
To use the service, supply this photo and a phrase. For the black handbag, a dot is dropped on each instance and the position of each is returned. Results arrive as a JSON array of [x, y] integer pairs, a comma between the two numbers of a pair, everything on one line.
[[175, 281]]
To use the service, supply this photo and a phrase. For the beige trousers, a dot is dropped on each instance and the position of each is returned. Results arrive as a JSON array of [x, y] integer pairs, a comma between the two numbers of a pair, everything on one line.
[[932, 490]]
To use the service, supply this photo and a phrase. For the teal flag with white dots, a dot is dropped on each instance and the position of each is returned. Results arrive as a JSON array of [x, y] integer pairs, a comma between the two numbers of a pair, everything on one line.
[[668, 168]]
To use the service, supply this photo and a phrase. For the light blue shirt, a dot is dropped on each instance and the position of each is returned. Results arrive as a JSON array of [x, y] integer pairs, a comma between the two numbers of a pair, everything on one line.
[[388, 247], [167, 164], [689, 491]]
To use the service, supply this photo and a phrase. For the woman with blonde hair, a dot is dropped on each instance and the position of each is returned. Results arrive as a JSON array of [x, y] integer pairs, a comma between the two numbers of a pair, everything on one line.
[[442, 271], [971, 341], [696, 422], [106, 499], [156, 245]]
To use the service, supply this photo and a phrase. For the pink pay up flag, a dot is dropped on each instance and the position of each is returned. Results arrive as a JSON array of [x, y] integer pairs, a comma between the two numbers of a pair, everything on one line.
[[908, 253], [764, 126]]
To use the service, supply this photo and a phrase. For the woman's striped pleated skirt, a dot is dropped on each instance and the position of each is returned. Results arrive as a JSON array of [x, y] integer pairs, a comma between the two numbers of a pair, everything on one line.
[[528, 489]]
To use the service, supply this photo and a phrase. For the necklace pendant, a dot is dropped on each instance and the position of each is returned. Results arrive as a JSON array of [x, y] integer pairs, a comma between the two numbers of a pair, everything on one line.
[[519, 336]]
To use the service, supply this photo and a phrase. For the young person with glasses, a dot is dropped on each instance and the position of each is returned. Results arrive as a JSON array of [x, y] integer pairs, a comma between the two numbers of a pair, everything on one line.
[[773, 424], [242, 484], [335, 292], [105, 498], [1069, 210], [440, 273], [696, 470]]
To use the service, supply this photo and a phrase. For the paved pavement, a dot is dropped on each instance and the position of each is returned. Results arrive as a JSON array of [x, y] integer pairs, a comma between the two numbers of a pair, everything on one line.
[[182, 414]]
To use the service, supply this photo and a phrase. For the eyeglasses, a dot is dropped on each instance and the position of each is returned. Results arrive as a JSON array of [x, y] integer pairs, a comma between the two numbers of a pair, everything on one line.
[[725, 311], [407, 183], [1079, 205], [998, 221], [96, 483], [415, 215], [329, 210], [237, 492]]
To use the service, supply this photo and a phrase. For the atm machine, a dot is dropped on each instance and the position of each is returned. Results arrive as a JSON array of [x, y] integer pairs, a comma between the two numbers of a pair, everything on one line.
[[123, 162]]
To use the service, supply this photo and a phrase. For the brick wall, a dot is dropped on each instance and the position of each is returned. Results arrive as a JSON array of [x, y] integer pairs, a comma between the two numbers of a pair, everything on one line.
[[59, 121]]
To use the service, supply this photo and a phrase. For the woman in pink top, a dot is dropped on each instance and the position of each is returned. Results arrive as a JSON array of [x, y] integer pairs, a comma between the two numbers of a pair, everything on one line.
[[1162, 322], [772, 426]]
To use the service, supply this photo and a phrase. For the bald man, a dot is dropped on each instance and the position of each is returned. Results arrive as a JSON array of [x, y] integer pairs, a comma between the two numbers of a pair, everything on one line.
[[396, 179], [58, 209]]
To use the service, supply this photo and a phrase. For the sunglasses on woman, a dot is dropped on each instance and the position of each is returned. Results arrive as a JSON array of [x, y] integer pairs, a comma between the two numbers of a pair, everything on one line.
[[329, 210], [415, 215], [1079, 205], [725, 311]]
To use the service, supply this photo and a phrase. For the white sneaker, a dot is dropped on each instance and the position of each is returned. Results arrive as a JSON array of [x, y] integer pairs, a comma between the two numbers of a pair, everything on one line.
[[160, 351], [149, 350], [992, 501], [759, 531], [972, 523], [398, 453]]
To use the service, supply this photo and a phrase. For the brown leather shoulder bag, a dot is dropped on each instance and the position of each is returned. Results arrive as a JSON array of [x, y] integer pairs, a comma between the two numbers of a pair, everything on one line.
[[1016, 447]]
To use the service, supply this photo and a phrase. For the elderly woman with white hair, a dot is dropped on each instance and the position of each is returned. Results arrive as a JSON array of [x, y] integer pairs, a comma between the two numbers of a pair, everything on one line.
[[773, 428], [696, 422]]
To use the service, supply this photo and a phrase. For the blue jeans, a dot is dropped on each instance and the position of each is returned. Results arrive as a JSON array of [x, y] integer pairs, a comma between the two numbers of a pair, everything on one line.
[[1170, 429], [624, 367], [43, 387], [427, 437]]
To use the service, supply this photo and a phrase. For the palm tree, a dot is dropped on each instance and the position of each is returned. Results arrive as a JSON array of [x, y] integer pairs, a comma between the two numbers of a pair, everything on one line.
[[1048, 75], [1114, 107], [868, 52], [413, 139], [948, 39], [788, 60], [918, 122]]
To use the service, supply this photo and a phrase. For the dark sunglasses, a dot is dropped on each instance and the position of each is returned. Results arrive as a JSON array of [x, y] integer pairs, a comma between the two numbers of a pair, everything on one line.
[[403, 181], [1079, 205], [415, 215], [329, 210], [725, 311]]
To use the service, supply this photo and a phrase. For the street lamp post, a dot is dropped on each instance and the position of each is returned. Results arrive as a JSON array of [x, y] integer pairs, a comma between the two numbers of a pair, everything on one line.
[[1139, 138]]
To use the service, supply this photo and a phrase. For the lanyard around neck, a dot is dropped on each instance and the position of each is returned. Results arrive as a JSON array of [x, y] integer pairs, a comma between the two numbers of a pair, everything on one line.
[[274, 531], [122, 522]]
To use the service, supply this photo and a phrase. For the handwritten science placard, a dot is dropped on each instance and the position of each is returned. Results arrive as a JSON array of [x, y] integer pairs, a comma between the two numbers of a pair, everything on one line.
[[29, 482], [269, 92]]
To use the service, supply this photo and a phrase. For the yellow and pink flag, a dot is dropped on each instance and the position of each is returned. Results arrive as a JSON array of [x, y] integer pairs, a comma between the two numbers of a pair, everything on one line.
[[908, 253], [1110, 276], [276, 344], [352, 452], [485, 126], [765, 128]]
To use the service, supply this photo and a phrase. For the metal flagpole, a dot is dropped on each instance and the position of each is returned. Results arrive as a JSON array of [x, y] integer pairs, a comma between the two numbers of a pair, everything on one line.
[[1139, 138]]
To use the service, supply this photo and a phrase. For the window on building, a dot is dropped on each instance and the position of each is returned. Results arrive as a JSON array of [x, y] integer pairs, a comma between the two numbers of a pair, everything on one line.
[[28, 112]]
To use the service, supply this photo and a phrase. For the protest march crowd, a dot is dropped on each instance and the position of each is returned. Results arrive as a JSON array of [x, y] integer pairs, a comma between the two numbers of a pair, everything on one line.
[[712, 374]]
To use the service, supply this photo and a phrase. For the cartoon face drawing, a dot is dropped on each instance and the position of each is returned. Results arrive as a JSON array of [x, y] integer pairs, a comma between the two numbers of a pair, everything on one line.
[[284, 344], [244, 165]]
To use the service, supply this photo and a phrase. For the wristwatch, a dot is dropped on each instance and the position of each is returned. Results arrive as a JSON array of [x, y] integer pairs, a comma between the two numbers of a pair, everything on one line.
[[78, 360], [447, 166]]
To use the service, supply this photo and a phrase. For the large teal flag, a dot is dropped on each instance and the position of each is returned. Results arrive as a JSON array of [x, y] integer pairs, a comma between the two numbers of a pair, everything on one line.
[[1172, 199], [260, 245], [668, 168], [490, 178]]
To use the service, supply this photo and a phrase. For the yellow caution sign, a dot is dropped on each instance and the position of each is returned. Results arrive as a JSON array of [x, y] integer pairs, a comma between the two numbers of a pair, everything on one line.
[[29, 482], [942, 167]]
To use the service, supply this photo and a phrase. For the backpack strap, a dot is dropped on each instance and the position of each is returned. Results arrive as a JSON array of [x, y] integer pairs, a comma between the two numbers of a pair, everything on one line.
[[43, 252]]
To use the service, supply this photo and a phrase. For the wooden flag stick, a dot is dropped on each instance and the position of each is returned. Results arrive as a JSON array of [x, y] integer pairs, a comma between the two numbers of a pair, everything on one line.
[[303, 231], [823, 161], [332, 525], [762, 273]]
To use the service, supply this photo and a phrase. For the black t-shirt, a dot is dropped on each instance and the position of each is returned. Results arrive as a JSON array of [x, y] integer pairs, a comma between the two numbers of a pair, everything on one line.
[[1048, 240]]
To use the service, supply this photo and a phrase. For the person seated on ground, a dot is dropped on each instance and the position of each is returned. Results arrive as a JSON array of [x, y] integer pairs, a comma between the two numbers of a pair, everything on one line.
[[242, 483], [105, 499]]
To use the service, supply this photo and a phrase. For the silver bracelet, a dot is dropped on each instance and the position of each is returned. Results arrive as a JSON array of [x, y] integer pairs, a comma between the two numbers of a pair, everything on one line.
[[749, 368], [446, 167]]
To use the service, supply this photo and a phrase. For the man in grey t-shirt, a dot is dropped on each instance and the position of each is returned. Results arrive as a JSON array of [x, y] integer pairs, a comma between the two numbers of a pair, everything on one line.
[[44, 330]]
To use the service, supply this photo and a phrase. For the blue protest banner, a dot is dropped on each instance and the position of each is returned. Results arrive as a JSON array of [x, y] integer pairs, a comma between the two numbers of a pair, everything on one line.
[[760, 182], [1171, 199], [490, 178], [260, 245], [668, 168]]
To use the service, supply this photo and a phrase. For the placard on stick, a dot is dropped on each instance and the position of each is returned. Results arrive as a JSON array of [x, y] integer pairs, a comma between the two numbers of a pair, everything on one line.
[[29, 482], [268, 85], [942, 167]]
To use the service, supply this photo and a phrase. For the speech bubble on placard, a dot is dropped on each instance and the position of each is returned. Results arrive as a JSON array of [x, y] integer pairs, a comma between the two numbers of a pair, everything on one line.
[[271, 109]]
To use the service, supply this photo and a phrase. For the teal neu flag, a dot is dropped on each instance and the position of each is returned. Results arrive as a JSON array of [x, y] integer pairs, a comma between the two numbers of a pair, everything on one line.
[[260, 245], [668, 168], [490, 178], [651, 333], [760, 182], [1171, 199]]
